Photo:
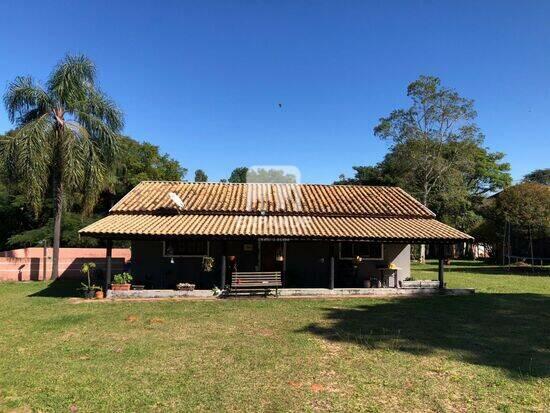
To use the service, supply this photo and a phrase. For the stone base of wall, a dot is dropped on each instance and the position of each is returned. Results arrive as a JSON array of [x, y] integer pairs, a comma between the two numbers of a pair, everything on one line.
[[297, 292]]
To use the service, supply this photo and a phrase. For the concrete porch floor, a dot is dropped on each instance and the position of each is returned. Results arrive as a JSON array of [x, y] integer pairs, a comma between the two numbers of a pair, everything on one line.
[[298, 292]]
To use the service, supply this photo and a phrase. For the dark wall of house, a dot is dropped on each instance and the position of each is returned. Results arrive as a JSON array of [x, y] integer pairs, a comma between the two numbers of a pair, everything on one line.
[[307, 264], [152, 269]]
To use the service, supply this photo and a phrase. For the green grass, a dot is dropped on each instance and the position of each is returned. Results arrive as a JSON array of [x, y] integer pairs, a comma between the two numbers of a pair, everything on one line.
[[487, 352]]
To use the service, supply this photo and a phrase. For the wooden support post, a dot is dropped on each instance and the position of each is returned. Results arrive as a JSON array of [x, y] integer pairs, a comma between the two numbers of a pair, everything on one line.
[[108, 265], [441, 272], [283, 275], [222, 272], [331, 283]]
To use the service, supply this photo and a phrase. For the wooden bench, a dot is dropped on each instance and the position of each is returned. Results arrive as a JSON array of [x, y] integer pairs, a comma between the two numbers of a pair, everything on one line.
[[255, 282]]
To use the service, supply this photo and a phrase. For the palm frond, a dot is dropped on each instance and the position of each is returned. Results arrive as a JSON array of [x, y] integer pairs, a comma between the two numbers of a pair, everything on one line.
[[102, 107], [92, 166], [104, 137], [70, 150], [25, 100], [27, 158], [71, 79]]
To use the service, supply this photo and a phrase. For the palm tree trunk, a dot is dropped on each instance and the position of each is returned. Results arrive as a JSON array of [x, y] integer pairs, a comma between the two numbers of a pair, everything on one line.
[[57, 204], [58, 209]]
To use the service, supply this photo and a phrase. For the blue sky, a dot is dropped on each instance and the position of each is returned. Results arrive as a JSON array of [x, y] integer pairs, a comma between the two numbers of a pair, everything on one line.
[[203, 79]]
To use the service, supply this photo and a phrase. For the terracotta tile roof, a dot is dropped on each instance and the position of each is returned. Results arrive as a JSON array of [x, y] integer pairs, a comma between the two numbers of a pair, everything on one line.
[[273, 210], [283, 199], [404, 229]]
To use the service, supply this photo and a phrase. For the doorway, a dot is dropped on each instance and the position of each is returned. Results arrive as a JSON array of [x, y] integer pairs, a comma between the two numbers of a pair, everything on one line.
[[272, 255]]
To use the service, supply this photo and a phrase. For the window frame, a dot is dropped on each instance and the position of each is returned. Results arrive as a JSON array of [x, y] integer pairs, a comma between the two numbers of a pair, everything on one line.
[[165, 255], [381, 258]]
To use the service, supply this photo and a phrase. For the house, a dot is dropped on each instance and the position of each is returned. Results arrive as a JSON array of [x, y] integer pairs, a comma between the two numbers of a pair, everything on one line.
[[317, 236]]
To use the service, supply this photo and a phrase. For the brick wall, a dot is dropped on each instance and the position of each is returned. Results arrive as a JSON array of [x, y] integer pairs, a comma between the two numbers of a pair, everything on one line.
[[26, 264]]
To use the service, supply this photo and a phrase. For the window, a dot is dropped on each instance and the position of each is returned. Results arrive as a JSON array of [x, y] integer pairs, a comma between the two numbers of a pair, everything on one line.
[[186, 248], [366, 250]]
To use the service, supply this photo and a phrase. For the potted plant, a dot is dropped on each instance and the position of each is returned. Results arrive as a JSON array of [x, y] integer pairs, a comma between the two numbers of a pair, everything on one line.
[[88, 289], [207, 264], [121, 282]]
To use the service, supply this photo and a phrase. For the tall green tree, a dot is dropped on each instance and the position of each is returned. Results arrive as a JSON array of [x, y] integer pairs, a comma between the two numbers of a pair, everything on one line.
[[66, 137], [431, 128], [428, 138], [200, 176], [540, 176], [238, 175], [526, 205]]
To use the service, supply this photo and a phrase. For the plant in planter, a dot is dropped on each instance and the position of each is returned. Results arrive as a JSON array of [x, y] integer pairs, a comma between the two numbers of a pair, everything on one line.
[[207, 264], [89, 290], [121, 282], [185, 287]]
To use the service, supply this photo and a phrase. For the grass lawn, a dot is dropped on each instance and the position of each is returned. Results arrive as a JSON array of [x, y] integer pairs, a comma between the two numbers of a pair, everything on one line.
[[486, 352]]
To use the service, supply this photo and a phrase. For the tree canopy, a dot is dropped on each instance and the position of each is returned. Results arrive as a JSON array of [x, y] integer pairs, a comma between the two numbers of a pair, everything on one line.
[[526, 204], [238, 175], [437, 155], [142, 161], [200, 176], [428, 136], [540, 176]]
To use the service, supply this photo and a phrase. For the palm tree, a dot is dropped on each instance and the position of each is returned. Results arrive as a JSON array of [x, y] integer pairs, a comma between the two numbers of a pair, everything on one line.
[[66, 137]]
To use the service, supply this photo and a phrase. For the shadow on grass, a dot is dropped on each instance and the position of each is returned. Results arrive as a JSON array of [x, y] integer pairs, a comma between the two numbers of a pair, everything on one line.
[[60, 288], [507, 331]]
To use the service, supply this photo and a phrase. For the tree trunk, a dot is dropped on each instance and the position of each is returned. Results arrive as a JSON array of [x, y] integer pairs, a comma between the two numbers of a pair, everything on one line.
[[58, 209], [531, 247], [504, 244], [57, 202]]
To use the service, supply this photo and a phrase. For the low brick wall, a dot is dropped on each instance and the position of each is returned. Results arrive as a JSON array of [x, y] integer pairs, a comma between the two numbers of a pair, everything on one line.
[[28, 264]]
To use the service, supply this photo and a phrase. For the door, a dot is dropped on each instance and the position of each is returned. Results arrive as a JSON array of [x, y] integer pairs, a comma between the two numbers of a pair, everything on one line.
[[271, 255]]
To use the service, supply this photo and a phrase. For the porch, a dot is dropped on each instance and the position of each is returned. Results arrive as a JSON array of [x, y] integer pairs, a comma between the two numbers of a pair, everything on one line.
[[307, 267]]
